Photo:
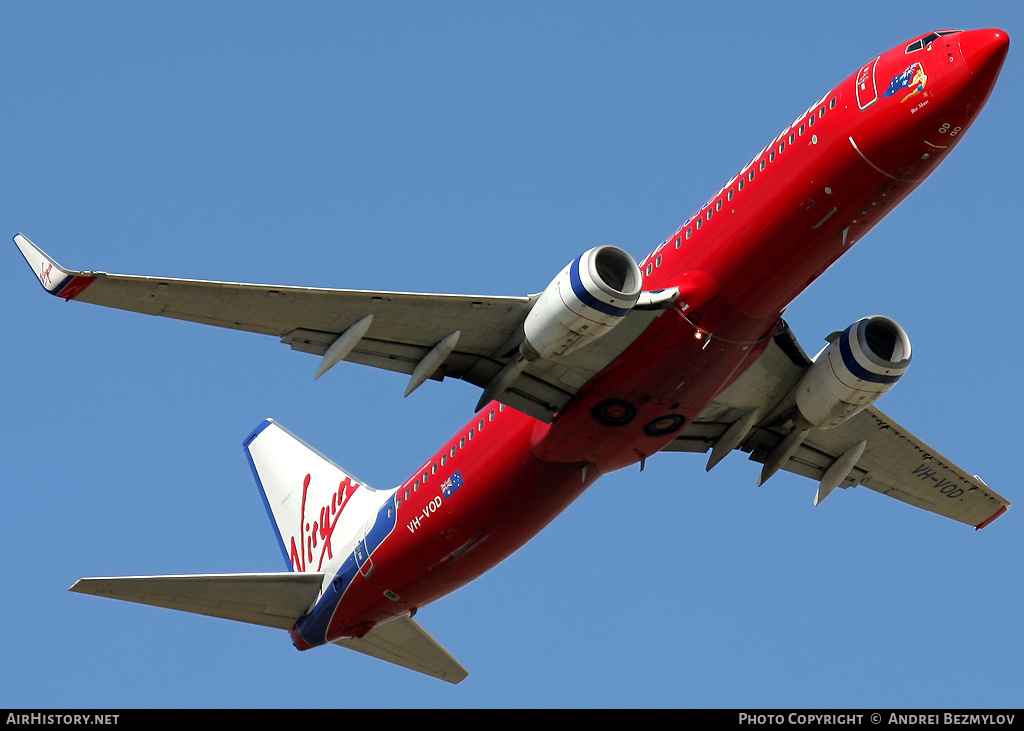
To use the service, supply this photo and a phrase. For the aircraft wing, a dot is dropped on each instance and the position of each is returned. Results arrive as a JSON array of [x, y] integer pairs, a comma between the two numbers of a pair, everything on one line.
[[423, 335], [892, 461]]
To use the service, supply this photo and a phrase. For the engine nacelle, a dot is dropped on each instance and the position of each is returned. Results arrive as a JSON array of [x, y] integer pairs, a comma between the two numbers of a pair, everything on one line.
[[588, 298], [852, 372]]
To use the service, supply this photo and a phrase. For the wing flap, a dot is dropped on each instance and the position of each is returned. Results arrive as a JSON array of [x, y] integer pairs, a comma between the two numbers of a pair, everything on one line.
[[404, 642], [268, 599]]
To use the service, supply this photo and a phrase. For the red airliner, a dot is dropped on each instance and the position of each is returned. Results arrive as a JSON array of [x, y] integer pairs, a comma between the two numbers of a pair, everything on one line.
[[609, 365]]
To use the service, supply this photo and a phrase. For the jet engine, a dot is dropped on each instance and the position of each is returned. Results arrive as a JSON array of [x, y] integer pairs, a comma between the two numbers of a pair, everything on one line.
[[857, 366], [589, 297]]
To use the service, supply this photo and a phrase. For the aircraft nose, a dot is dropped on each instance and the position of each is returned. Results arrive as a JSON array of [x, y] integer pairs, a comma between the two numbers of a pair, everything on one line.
[[984, 50]]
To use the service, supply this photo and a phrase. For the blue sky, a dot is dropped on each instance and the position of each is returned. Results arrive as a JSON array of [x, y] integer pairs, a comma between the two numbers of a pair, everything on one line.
[[477, 148]]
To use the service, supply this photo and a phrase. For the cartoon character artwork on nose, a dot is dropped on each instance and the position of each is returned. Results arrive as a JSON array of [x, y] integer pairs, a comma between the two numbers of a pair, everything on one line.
[[913, 78]]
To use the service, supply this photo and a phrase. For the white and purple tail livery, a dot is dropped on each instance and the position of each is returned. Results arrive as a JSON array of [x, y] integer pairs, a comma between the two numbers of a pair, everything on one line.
[[317, 508]]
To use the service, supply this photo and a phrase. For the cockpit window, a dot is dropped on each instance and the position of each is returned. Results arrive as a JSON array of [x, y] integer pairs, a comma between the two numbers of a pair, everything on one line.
[[923, 42]]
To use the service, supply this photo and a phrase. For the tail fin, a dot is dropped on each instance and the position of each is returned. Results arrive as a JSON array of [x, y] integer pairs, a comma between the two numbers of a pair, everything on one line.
[[305, 495]]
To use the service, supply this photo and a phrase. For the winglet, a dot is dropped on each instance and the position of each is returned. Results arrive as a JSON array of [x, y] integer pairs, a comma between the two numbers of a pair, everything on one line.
[[55, 279]]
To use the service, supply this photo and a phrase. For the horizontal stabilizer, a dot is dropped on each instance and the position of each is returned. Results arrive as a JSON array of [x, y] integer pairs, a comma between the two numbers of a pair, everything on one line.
[[270, 600], [404, 642]]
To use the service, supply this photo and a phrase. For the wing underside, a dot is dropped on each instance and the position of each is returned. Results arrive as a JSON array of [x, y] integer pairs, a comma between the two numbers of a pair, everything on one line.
[[893, 462], [425, 336]]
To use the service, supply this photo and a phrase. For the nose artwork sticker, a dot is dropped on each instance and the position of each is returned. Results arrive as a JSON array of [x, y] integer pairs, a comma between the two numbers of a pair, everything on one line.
[[913, 78]]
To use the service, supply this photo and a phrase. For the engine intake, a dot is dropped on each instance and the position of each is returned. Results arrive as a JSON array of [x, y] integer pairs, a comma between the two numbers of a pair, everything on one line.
[[588, 297], [853, 371]]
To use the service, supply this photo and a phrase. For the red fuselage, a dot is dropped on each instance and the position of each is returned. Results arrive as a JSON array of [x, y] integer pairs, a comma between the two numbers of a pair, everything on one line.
[[738, 262]]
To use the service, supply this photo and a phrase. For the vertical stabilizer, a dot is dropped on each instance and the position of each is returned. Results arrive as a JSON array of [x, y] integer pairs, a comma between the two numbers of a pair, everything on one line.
[[316, 507]]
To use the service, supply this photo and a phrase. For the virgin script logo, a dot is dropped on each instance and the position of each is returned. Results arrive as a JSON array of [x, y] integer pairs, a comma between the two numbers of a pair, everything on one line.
[[314, 539]]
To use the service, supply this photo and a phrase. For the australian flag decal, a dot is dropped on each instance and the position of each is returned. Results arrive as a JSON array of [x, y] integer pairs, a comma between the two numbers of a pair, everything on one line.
[[914, 75], [453, 483]]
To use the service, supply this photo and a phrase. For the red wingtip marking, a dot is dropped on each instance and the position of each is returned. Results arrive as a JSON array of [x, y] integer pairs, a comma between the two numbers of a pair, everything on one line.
[[989, 521], [75, 287]]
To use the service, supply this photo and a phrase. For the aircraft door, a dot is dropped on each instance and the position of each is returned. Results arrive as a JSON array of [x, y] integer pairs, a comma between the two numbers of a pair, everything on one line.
[[362, 551], [867, 89]]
